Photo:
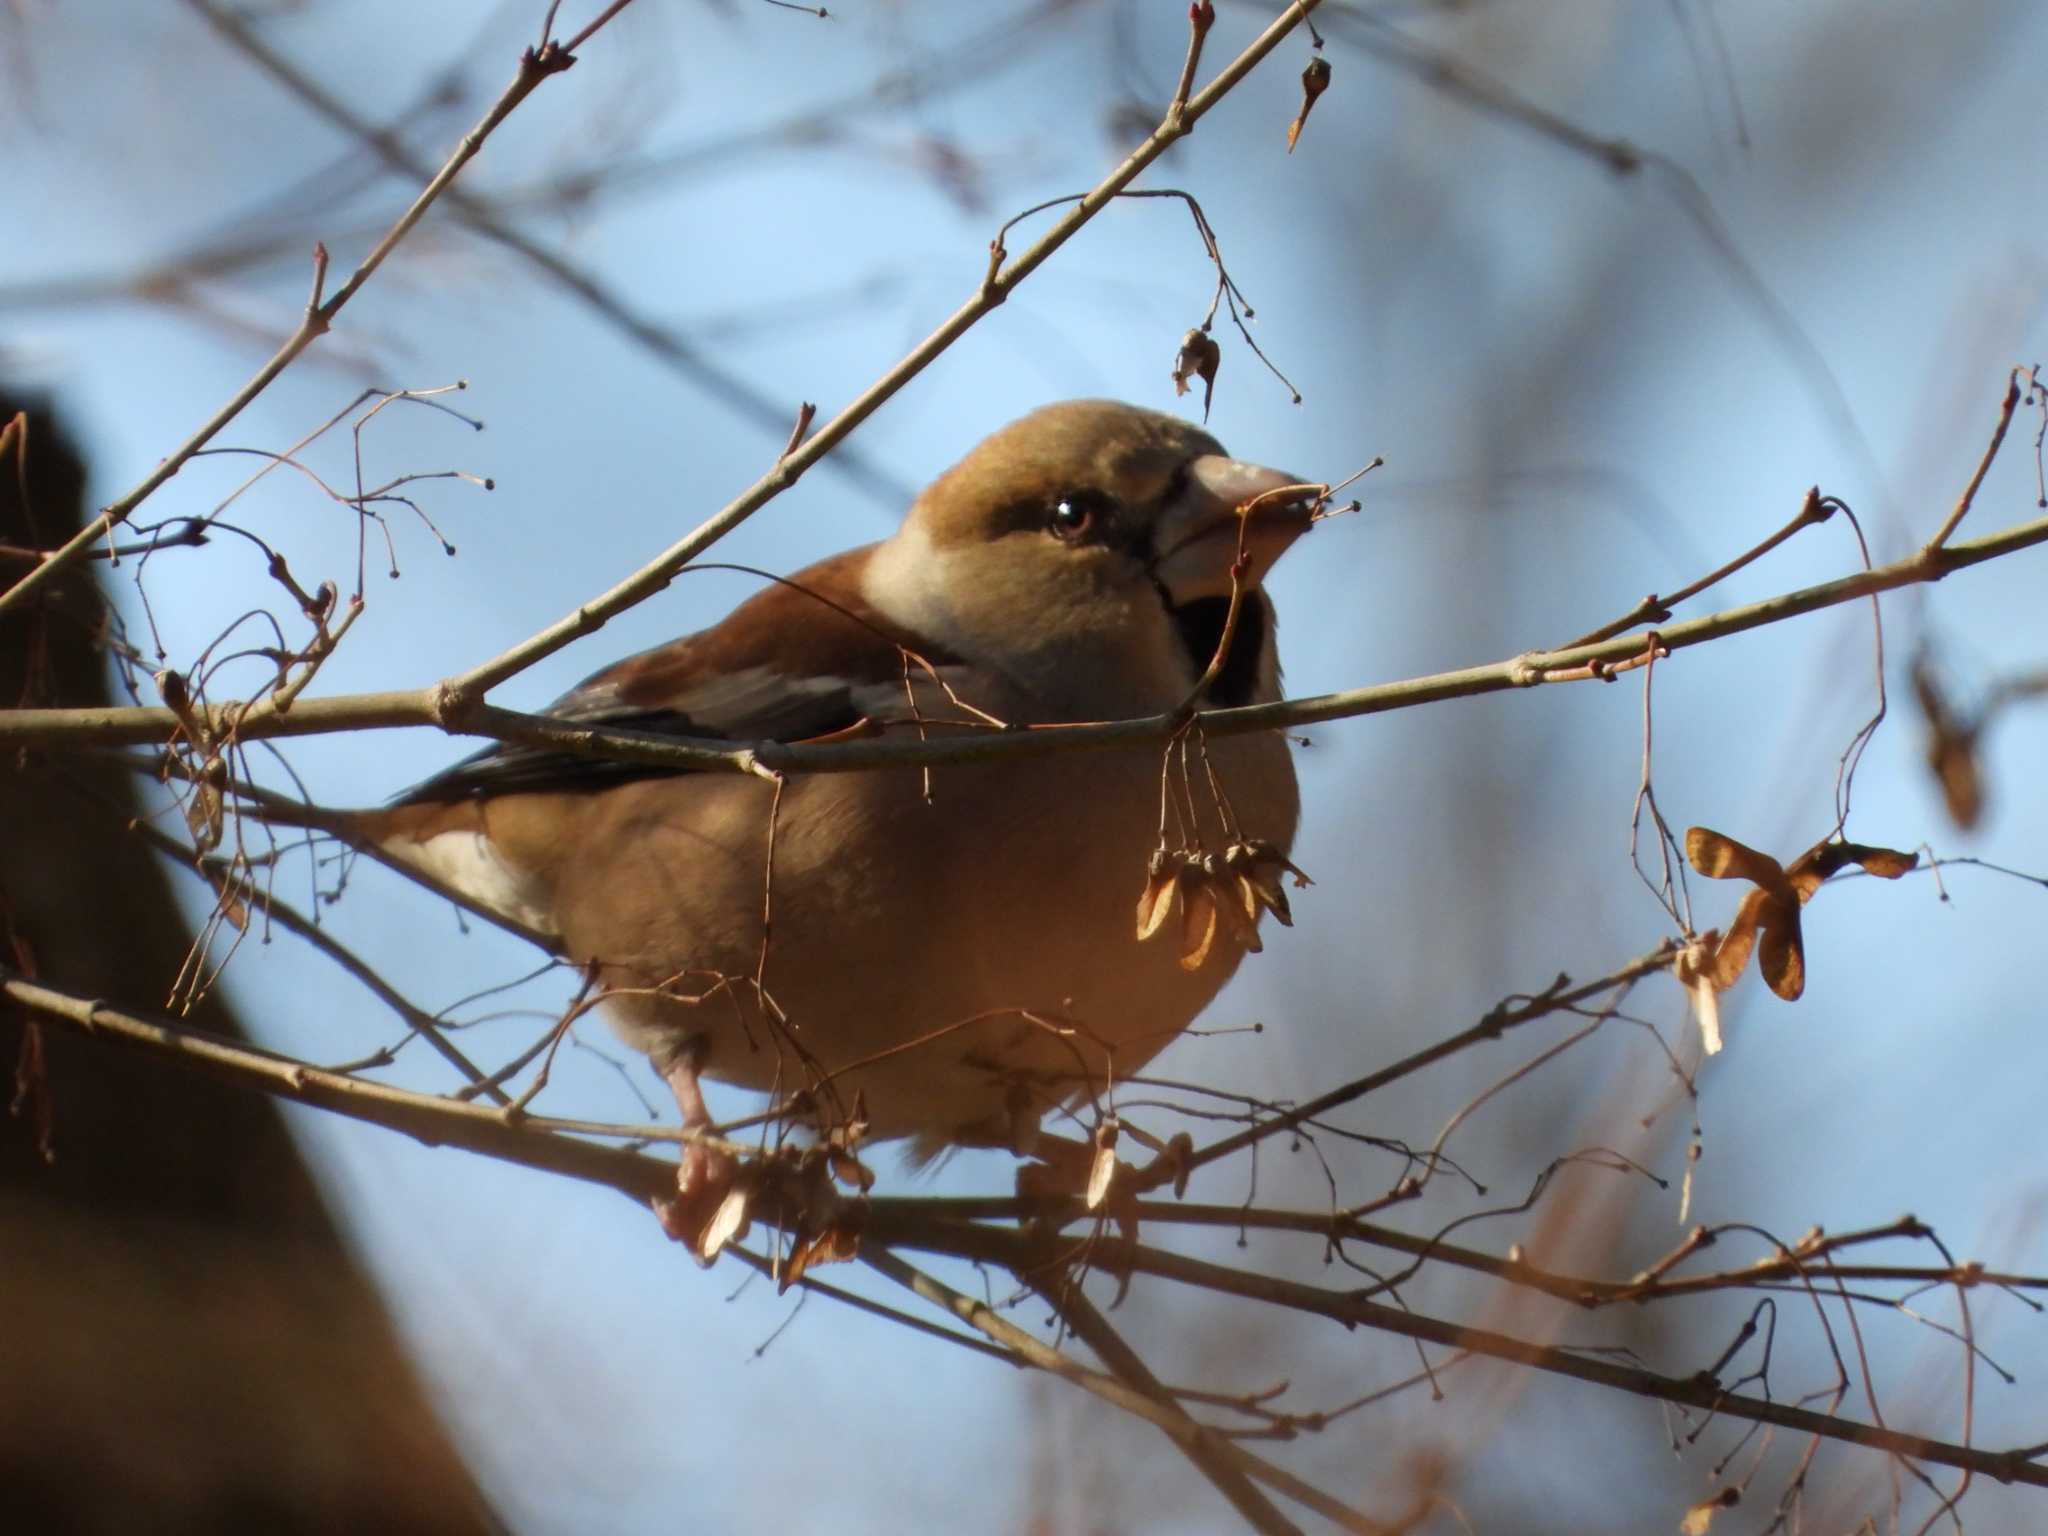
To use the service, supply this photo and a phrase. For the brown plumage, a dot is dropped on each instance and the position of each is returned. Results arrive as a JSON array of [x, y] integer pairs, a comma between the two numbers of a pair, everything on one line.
[[963, 964]]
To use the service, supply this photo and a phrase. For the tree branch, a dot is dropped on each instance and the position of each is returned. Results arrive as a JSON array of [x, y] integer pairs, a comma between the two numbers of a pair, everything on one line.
[[535, 66], [132, 725], [459, 695], [1017, 1251], [555, 1146], [479, 216], [1208, 1451]]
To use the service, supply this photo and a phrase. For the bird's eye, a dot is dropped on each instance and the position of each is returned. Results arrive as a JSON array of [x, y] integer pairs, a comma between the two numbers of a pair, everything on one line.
[[1074, 517]]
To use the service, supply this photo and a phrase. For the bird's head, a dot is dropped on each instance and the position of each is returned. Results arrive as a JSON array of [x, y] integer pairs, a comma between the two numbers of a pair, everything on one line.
[[1096, 536]]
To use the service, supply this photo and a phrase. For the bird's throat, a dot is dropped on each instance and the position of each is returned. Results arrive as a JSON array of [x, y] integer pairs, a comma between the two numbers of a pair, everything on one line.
[[1201, 623]]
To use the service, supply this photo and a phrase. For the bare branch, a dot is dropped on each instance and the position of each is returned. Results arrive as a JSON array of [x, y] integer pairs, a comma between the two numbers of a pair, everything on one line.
[[461, 695], [124, 726], [535, 66]]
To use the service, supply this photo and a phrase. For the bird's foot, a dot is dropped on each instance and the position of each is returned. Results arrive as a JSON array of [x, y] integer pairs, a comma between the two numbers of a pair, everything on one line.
[[716, 1194], [709, 1207], [1171, 1164]]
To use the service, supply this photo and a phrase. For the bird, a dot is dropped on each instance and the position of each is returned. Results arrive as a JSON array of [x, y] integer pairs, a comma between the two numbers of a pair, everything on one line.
[[946, 956]]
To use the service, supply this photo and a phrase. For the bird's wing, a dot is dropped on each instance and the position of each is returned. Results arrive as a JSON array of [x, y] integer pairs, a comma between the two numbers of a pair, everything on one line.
[[806, 657]]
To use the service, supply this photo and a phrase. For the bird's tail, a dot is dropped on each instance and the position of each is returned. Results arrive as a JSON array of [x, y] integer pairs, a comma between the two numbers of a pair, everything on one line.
[[367, 833], [279, 811]]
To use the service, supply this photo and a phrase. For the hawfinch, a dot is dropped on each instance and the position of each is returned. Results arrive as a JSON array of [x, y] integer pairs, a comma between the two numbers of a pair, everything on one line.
[[951, 955]]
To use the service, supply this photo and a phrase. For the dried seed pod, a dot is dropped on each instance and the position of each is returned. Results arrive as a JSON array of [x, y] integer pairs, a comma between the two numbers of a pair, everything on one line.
[[1199, 357], [1155, 902], [728, 1224], [1198, 918], [1104, 1167], [1240, 918], [1314, 81], [835, 1243], [1258, 865]]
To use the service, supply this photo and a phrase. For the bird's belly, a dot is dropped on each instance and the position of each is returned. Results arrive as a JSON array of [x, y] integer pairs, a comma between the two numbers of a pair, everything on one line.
[[947, 966]]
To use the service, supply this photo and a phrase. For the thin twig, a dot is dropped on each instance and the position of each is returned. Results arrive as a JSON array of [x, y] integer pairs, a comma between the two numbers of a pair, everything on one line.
[[991, 1245], [114, 725], [1201, 17], [1208, 1451], [535, 66], [483, 217], [462, 695], [1492, 1027], [547, 1146], [1969, 496], [1033, 1351], [288, 917], [1655, 609]]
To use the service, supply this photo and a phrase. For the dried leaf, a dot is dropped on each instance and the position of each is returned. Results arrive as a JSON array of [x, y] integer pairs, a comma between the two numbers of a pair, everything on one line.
[[1199, 357], [1242, 925], [1198, 909], [177, 697], [838, 1243], [205, 817], [1103, 1170], [1954, 761], [1781, 953], [851, 1171], [1226, 892], [1314, 81], [1720, 857], [235, 910], [1272, 897], [1810, 871], [1768, 918], [1707, 1003], [227, 890], [1731, 955], [1247, 895], [1699, 1517], [1694, 970], [1179, 1156], [728, 1223], [1155, 902], [1885, 863], [171, 684], [1260, 865], [1951, 749], [1815, 867]]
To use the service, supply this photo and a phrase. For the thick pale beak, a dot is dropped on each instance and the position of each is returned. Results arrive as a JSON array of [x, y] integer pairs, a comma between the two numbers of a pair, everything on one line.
[[1228, 505]]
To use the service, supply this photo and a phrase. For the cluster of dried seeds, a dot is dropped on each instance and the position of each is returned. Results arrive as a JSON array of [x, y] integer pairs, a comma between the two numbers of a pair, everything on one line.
[[1215, 893]]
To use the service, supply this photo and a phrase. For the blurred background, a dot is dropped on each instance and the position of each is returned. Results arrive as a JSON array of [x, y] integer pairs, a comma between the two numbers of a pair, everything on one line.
[[1609, 285]]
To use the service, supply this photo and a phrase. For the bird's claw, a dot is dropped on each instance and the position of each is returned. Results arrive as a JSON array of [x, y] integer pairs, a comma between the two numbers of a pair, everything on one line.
[[709, 1207]]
